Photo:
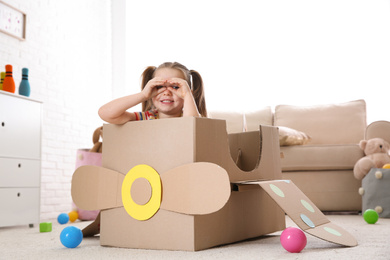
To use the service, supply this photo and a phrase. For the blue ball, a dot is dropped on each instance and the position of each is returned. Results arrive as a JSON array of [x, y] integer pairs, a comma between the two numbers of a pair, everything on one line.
[[63, 218], [71, 236]]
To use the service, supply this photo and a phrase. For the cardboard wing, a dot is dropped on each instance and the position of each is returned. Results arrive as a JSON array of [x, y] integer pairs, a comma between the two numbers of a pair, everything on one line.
[[302, 211]]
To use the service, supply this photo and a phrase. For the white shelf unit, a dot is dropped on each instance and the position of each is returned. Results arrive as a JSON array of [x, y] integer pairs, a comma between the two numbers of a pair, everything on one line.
[[20, 159]]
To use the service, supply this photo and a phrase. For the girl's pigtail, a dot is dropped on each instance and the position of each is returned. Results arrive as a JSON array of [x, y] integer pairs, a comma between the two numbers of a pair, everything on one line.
[[146, 76], [198, 92]]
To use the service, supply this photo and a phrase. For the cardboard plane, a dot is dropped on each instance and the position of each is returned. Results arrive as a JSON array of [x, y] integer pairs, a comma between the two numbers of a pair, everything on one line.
[[185, 184]]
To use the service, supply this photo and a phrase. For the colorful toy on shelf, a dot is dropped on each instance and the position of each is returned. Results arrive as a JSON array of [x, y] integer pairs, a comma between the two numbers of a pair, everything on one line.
[[2, 76], [293, 240], [63, 218], [370, 216], [71, 236], [24, 87], [8, 83], [45, 227]]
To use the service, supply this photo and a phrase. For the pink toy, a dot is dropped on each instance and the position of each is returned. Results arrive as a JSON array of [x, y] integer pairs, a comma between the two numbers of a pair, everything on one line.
[[86, 157], [293, 240]]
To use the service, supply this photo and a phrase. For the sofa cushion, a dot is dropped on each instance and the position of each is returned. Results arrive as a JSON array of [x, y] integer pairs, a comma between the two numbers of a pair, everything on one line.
[[234, 120], [342, 123], [262, 116], [289, 136], [320, 157]]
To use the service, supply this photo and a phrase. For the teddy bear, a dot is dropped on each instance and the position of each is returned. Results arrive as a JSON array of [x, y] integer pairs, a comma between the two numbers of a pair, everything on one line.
[[377, 155], [97, 145]]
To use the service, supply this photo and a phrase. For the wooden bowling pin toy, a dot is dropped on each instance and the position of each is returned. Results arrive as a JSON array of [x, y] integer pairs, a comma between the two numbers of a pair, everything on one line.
[[2, 76], [9, 83], [24, 87]]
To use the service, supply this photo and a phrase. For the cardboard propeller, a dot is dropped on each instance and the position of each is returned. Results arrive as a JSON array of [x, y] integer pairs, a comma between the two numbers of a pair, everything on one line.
[[196, 188], [302, 211]]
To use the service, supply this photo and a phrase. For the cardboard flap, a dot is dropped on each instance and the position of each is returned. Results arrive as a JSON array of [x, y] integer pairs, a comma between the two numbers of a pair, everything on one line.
[[303, 211], [195, 188], [96, 188], [93, 228], [245, 156]]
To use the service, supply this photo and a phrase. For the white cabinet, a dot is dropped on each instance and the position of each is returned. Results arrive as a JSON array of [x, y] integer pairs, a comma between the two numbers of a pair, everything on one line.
[[20, 159]]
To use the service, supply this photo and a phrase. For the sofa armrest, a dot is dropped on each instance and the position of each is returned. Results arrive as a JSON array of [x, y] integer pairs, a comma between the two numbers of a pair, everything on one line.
[[379, 129]]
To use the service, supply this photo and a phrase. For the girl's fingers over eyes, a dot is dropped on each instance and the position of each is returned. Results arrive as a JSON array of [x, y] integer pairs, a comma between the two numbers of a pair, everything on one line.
[[157, 81]]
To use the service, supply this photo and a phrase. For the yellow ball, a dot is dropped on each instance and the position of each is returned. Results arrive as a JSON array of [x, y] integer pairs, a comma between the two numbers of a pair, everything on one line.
[[73, 216], [386, 166]]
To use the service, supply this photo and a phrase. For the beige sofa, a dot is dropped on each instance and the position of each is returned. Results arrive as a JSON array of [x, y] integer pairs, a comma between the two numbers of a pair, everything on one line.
[[319, 147], [379, 129]]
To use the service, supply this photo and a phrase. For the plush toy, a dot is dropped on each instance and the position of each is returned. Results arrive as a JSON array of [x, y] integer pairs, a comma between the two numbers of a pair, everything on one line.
[[97, 146], [377, 155]]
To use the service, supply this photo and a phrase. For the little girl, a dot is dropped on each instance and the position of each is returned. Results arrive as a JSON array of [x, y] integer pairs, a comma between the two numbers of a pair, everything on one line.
[[166, 92]]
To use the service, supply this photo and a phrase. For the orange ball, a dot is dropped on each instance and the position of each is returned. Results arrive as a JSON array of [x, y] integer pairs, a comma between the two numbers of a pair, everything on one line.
[[386, 166], [73, 216]]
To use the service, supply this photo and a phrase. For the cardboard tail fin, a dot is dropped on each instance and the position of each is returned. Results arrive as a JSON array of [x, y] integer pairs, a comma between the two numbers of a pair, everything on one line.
[[303, 211]]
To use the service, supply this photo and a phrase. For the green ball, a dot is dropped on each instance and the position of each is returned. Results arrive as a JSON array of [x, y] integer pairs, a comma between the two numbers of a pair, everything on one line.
[[370, 216]]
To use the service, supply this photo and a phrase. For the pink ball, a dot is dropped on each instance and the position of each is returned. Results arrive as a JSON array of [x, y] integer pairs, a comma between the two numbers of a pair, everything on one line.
[[293, 240]]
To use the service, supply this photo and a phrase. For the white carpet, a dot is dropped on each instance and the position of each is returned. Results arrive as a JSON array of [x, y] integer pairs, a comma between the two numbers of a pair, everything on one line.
[[23, 242]]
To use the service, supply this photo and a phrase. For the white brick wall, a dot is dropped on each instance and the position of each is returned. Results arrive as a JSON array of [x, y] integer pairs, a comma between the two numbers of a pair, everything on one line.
[[68, 53]]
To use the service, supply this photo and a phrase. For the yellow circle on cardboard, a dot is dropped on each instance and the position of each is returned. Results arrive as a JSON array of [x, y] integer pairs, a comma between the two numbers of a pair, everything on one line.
[[142, 212]]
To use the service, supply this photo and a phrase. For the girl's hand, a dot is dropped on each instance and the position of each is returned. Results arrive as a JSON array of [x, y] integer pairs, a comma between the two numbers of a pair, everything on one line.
[[179, 87], [154, 87]]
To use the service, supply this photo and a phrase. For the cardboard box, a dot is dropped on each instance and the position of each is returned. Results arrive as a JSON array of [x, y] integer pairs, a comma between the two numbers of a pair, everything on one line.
[[214, 188], [166, 144]]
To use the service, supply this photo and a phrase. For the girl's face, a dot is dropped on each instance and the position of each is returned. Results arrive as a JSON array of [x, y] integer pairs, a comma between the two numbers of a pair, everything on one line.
[[167, 103]]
